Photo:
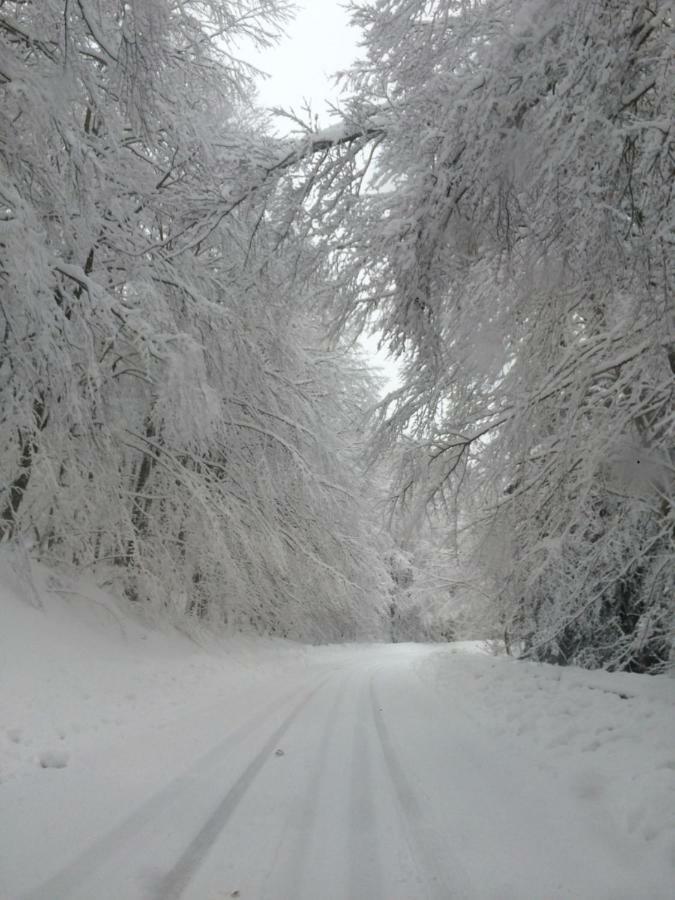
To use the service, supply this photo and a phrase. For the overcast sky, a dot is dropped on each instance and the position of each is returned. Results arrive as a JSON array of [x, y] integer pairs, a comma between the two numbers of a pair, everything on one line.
[[320, 42]]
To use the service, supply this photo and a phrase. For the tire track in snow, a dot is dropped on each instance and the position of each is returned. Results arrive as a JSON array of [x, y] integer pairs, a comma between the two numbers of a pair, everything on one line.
[[365, 874], [172, 885], [291, 882], [157, 808], [423, 839]]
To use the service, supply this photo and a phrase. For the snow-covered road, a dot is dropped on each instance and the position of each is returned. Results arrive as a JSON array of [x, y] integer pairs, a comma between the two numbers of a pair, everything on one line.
[[138, 763], [363, 774]]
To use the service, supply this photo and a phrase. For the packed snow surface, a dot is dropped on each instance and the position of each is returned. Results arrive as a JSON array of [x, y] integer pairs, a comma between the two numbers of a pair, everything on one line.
[[140, 763]]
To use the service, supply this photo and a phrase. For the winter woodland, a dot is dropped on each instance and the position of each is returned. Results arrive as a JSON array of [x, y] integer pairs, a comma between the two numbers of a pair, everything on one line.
[[182, 412]]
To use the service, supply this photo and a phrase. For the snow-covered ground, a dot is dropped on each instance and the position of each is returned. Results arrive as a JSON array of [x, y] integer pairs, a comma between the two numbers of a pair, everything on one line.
[[140, 763]]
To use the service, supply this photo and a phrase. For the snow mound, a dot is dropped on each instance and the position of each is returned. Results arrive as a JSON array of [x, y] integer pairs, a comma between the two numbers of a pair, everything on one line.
[[53, 759]]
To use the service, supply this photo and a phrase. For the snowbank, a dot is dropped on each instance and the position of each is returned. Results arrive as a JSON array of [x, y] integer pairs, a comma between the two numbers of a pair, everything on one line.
[[77, 670], [606, 738]]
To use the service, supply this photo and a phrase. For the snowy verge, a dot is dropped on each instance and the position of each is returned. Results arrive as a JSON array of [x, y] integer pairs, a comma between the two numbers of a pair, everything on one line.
[[78, 670], [608, 739]]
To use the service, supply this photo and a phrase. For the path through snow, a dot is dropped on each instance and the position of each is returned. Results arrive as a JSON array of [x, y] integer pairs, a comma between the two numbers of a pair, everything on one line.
[[372, 773]]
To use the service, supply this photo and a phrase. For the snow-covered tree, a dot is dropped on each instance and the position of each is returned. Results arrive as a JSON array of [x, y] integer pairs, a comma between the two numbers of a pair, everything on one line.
[[168, 405], [513, 237]]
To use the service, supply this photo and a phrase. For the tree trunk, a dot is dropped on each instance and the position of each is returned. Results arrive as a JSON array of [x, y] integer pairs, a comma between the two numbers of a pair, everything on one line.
[[17, 489]]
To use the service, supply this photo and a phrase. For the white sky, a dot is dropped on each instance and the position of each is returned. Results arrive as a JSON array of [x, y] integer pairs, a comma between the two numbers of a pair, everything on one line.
[[320, 42]]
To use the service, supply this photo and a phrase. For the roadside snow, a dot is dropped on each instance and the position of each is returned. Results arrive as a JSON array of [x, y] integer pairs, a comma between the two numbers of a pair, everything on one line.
[[75, 672], [607, 739]]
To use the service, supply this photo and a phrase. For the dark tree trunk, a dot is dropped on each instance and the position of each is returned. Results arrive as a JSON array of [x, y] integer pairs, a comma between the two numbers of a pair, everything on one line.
[[17, 488]]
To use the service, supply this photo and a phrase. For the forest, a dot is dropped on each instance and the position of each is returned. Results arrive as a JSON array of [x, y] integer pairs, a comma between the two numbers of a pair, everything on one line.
[[184, 412]]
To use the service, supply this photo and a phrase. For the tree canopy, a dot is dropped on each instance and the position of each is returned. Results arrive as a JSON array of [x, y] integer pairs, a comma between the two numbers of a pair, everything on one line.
[[178, 290], [513, 241], [170, 406]]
